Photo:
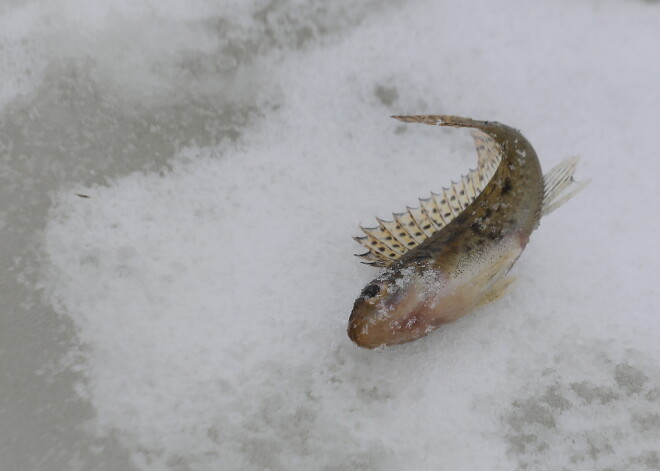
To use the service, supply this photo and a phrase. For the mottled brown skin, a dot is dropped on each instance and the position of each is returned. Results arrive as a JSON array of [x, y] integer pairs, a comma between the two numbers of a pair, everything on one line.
[[511, 202], [508, 208]]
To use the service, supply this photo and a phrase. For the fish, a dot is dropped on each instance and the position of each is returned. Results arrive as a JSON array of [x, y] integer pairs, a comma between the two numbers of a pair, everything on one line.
[[453, 252]]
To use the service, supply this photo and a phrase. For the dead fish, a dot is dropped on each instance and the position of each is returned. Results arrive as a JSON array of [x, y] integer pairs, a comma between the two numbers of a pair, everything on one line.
[[453, 252]]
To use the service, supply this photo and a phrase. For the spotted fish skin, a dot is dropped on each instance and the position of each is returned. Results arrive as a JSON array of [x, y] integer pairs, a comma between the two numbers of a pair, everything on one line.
[[463, 264]]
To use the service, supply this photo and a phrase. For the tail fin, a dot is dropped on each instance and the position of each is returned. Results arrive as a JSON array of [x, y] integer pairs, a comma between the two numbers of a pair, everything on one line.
[[448, 120], [557, 180]]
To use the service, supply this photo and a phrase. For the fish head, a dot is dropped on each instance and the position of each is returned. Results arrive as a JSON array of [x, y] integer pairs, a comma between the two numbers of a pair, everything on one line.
[[397, 307], [405, 304]]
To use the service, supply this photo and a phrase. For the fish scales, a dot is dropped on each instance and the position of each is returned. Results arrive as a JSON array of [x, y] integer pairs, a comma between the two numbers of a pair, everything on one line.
[[459, 265]]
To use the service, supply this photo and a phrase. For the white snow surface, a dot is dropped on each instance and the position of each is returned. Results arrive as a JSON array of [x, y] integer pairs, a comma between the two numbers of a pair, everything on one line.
[[211, 298]]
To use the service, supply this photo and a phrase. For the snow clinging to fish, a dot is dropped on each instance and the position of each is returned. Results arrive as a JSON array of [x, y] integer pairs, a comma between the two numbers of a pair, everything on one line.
[[453, 252]]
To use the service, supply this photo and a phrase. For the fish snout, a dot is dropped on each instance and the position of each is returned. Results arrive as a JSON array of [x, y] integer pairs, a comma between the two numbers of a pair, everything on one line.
[[363, 327], [392, 318]]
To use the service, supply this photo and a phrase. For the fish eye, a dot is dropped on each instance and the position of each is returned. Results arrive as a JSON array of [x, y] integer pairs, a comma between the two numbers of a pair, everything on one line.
[[370, 291]]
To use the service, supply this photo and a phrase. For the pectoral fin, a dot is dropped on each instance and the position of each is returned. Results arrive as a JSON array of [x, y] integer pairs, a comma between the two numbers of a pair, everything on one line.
[[499, 289], [559, 185]]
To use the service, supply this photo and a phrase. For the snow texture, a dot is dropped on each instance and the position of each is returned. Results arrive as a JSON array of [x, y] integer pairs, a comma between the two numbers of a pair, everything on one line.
[[211, 293]]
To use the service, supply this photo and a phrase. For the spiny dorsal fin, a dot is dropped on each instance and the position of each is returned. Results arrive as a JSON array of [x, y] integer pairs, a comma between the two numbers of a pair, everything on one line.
[[397, 228], [425, 227], [557, 180], [488, 151], [407, 230], [370, 258]]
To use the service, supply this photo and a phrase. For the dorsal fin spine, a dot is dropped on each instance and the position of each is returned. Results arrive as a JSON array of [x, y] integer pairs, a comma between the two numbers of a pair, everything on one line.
[[395, 229], [428, 227], [378, 240], [401, 249], [373, 257], [447, 197], [472, 175], [369, 258], [437, 206], [397, 218], [429, 204], [459, 200], [419, 238]]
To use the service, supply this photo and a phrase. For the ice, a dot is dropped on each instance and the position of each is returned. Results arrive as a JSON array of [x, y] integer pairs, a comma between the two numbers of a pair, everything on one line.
[[210, 294]]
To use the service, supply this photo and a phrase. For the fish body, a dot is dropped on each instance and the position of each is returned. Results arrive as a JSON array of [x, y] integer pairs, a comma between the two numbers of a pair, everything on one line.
[[453, 253]]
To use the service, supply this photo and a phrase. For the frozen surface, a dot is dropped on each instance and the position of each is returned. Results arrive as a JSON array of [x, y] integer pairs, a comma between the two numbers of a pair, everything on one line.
[[194, 303]]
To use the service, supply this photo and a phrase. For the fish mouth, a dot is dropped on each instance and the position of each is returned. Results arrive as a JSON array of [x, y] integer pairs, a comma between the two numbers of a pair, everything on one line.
[[402, 318], [367, 334], [359, 333]]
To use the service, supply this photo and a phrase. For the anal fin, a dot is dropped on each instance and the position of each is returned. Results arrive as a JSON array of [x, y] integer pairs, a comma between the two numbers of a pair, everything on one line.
[[499, 289]]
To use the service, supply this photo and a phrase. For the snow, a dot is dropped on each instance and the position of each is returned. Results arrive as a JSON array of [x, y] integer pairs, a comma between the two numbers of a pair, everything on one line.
[[210, 295]]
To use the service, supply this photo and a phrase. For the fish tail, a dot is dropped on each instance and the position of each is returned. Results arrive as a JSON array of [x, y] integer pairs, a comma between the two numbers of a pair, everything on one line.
[[448, 120]]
